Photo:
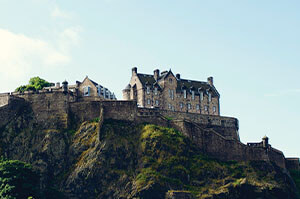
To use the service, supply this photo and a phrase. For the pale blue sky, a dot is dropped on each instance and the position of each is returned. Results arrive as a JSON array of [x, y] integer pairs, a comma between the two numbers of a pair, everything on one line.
[[251, 48]]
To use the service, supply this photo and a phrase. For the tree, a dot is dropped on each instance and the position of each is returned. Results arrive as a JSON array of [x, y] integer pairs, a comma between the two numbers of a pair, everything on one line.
[[35, 83], [18, 180]]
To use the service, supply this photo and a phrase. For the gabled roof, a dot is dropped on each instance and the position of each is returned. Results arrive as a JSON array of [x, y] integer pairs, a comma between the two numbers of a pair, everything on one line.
[[144, 78], [147, 79], [192, 84]]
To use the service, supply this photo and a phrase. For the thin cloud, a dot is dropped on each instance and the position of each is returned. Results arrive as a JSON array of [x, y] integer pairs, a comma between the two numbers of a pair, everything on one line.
[[22, 55], [58, 13]]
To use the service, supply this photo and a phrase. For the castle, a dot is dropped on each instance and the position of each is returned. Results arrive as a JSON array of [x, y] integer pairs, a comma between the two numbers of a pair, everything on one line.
[[55, 107], [169, 92]]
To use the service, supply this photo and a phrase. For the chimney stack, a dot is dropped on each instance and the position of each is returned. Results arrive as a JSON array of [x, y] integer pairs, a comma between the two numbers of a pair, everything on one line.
[[156, 74], [134, 71], [210, 80], [178, 76]]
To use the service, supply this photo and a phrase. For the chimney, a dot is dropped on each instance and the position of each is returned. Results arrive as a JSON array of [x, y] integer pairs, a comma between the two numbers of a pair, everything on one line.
[[57, 85], [210, 80], [156, 74], [178, 76], [134, 71]]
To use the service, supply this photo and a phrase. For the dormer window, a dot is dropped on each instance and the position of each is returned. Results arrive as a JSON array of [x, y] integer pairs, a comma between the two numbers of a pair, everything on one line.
[[193, 95], [87, 91], [148, 89], [184, 93], [209, 96], [155, 91]]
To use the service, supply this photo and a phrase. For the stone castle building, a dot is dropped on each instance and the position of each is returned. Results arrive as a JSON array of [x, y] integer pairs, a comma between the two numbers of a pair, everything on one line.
[[169, 92], [86, 88]]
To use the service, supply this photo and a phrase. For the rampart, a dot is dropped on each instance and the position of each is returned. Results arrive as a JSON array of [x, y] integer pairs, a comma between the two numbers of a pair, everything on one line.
[[293, 163], [215, 135]]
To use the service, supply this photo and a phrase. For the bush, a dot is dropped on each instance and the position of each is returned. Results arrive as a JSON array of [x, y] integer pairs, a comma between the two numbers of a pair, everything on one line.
[[18, 180], [35, 83]]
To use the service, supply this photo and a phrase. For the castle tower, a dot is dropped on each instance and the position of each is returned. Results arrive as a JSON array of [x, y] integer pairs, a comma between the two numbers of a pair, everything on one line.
[[65, 86], [126, 92], [265, 141]]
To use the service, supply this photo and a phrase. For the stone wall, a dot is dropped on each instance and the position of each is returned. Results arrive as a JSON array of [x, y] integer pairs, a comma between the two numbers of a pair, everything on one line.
[[293, 163], [50, 108], [4, 97], [216, 136], [226, 126], [216, 145], [9, 111]]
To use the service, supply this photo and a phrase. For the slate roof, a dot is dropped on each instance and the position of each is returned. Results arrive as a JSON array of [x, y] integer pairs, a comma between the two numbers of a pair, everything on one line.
[[149, 79]]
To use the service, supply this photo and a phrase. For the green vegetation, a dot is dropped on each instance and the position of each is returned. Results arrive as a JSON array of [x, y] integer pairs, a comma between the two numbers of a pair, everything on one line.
[[18, 180], [156, 159], [35, 83]]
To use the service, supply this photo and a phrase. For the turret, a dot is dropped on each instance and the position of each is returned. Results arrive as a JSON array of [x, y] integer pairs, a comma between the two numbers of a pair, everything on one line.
[[210, 81], [126, 92], [156, 74], [265, 141], [65, 86]]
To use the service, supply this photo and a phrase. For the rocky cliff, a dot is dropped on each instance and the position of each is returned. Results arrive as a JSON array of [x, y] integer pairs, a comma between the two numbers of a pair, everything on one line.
[[119, 159]]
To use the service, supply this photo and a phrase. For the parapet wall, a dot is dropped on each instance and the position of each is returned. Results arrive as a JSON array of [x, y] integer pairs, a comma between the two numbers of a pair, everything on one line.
[[50, 108], [293, 163], [226, 126], [216, 145], [4, 98]]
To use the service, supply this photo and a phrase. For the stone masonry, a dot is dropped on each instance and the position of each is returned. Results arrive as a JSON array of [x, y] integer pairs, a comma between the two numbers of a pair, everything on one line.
[[169, 92]]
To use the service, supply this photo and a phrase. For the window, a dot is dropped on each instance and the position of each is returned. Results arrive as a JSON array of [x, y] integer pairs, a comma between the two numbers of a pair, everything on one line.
[[197, 107], [148, 101], [155, 91], [206, 108], [170, 80], [170, 106], [156, 102], [214, 109], [99, 91], [87, 91], [171, 94], [148, 90], [209, 96], [201, 95], [193, 95], [181, 105], [189, 106], [184, 94]]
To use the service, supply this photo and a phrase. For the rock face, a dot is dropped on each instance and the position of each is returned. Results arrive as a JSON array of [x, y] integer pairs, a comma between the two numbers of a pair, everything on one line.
[[118, 159]]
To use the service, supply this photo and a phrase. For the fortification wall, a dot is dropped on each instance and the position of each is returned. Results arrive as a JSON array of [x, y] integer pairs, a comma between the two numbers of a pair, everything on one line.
[[293, 163], [4, 98], [216, 145], [10, 110], [50, 108], [226, 126]]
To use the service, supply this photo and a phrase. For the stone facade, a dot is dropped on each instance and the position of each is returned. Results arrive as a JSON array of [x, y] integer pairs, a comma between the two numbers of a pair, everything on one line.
[[87, 88], [169, 92]]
